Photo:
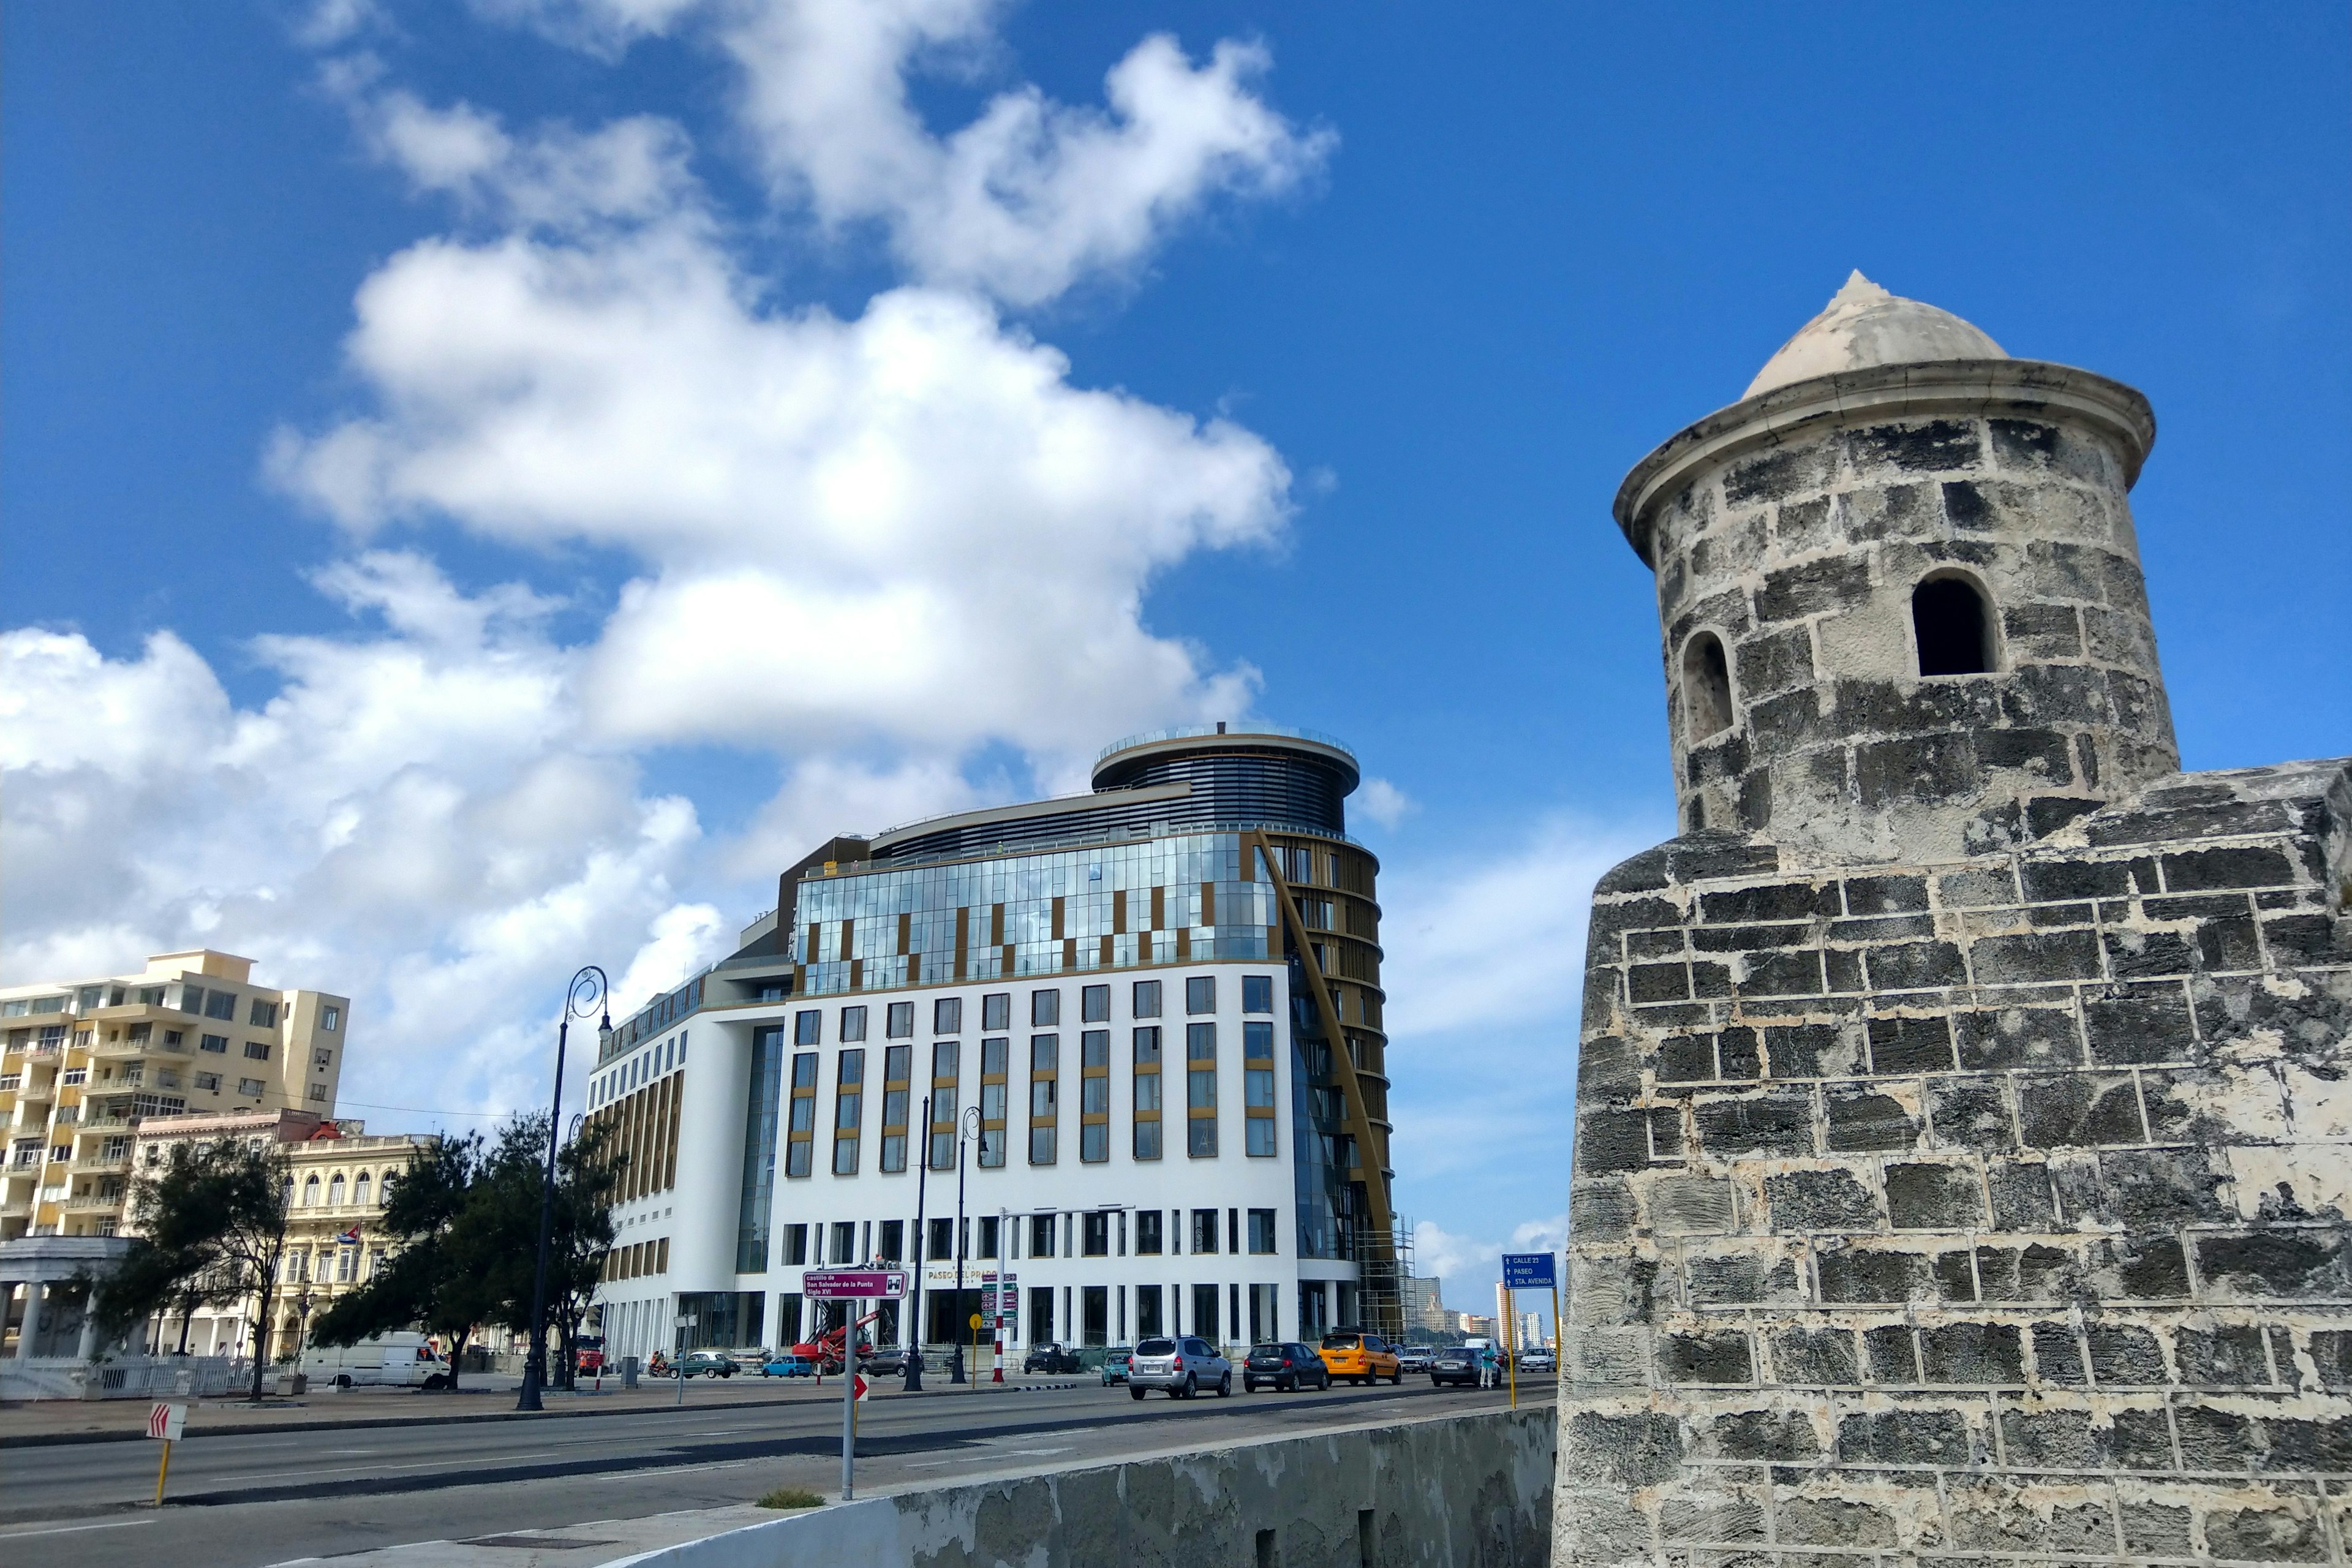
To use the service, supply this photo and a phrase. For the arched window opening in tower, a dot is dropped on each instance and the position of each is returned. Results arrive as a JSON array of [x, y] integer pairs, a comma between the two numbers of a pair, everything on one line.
[[1706, 687], [1954, 629]]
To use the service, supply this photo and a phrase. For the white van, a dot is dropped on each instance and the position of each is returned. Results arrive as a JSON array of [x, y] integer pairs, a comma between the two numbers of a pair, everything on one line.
[[389, 1360]]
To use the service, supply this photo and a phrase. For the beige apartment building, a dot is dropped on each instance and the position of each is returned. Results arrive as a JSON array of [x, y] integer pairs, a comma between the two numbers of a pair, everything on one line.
[[337, 1181], [84, 1063]]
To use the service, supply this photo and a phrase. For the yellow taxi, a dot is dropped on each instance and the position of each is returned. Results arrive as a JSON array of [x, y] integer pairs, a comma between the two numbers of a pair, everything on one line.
[[1363, 1358]]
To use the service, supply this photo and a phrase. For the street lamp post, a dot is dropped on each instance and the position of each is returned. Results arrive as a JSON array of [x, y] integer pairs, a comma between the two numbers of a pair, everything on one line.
[[966, 1126], [588, 994], [915, 1329]]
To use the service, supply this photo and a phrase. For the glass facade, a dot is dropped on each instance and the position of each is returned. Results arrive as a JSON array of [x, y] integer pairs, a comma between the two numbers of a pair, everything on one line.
[[1159, 900], [759, 1149], [1316, 1128]]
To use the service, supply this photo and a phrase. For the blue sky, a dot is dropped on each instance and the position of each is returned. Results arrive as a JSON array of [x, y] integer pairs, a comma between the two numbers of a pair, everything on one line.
[[1339, 405]]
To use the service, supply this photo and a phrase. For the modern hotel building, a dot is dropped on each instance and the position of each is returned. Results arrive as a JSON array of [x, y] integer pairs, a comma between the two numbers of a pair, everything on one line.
[[1139, 1030]]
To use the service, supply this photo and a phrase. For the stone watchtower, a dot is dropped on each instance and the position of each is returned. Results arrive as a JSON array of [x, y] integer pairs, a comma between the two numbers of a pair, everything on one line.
[[1963, 1136]]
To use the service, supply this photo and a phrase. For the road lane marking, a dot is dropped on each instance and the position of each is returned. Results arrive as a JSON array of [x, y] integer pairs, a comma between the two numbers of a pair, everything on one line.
[[345, 1470], [72, 1528]]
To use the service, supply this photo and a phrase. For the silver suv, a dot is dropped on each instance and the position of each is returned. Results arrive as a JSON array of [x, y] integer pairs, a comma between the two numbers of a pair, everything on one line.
[[1183, 1366]]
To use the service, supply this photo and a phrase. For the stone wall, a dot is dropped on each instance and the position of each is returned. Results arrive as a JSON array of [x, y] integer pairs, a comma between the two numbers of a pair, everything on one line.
[[1454, 1492], [1987, 1210]]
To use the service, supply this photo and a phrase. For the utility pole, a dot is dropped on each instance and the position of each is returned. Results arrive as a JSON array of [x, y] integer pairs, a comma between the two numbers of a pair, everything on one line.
[[587, 992]]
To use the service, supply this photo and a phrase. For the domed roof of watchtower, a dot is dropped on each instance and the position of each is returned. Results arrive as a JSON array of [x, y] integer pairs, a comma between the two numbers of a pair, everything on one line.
[[1900, 592], [1864, 325]]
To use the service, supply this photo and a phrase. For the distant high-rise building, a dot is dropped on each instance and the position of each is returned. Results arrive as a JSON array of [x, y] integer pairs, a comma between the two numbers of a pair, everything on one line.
[[1135, 1034], [84, 1062]]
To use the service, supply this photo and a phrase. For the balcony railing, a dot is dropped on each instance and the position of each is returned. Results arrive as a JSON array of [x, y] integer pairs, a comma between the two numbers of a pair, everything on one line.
[[81, 1203]]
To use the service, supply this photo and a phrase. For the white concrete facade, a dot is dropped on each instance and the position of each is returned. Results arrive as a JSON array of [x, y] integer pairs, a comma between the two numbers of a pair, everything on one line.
[[1257, 1292]]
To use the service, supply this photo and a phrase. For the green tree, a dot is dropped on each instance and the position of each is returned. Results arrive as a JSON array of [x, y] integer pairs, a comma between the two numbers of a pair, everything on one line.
[[580, 1228], [450, 1253], [210, 1227]]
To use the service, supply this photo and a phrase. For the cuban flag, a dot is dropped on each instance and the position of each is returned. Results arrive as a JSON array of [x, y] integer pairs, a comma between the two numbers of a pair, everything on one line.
[[348, 1239]]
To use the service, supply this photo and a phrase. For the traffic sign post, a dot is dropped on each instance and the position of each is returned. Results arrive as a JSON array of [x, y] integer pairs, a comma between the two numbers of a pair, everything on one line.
[[1524, 1271], [165, 1423], [851, 1285]]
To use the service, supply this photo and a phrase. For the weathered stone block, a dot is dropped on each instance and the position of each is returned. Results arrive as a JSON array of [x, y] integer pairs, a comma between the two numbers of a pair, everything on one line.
[[1833, 1199], [2124, 1355], [1934, 1197], [1905, 1438], [2287, 1532], [2229, 1356], [2078, 1110], [2275, 1263], [2057, 1355], [1814, 1357], [1775, 1121], [1721, 1357], [1864, 1119], [1874, 1275], [1910, 1045]]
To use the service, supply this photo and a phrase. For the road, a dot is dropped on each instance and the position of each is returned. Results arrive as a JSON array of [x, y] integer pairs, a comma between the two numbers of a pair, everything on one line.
[[249, 1500]]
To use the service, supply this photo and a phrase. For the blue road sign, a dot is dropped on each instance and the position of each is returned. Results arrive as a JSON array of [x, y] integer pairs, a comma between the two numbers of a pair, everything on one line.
[[1528, 1271]]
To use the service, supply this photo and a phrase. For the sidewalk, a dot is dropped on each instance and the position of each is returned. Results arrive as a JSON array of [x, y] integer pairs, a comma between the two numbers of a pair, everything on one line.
[[45, 1422]]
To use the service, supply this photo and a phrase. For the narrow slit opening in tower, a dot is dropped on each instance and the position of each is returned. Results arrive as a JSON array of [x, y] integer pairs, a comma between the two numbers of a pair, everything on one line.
[[1706, 687], [1955, 633]]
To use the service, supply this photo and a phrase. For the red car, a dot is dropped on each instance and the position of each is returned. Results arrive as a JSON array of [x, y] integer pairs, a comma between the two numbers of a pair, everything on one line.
[[592, 1357]]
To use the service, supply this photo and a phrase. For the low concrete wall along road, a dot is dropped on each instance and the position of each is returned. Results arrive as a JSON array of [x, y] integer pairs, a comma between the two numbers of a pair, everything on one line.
[[1454, 1492]]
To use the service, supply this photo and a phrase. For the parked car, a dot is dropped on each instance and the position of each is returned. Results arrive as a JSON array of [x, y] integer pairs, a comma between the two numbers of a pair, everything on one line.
[[1114, 1366], [751, 1360], [1182, 1365], [1359, 1358], [1538, 1360], [1455, 1365], [1284, 1367], [706, 1364], [1052, 1358], [1415, 1358], [887, 1361], [788, 1363]]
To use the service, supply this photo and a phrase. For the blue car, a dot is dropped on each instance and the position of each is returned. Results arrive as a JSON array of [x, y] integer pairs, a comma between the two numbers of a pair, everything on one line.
[[787, 1364]]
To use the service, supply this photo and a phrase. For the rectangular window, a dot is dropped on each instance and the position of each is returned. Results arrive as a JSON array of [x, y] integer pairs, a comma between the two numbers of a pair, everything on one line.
[[1261, 1230], [1094, 1005], [844, 1241], [1201, 993], [264, 1014], [221, 1004], [323, 1057], [249, 1085], [1147, 1232], [901, 1021], [1094, 1235], [1045, 1095], [947, 1015], [1257, 993], [995, 1060], [1147, 998], [331, 1018], [257, 1050], [1147, 1312], [318, 1092], [1204, 1230], [897, 1068], [800, 1150], [1204, 1312], [849, 1110], [1045, 1008], [1200, 1089], [796, 1245], [996, 1010], [853, 1024], [208, 1081], [942, 1239], [947, 1059], [892, 1241], [217, 1043], [1041, 1236], [1257, 1088], [808, 1027], [1147, 1092]]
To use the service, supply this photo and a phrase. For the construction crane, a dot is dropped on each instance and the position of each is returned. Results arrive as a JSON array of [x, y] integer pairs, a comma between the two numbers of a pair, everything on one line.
[[826, 1349]]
